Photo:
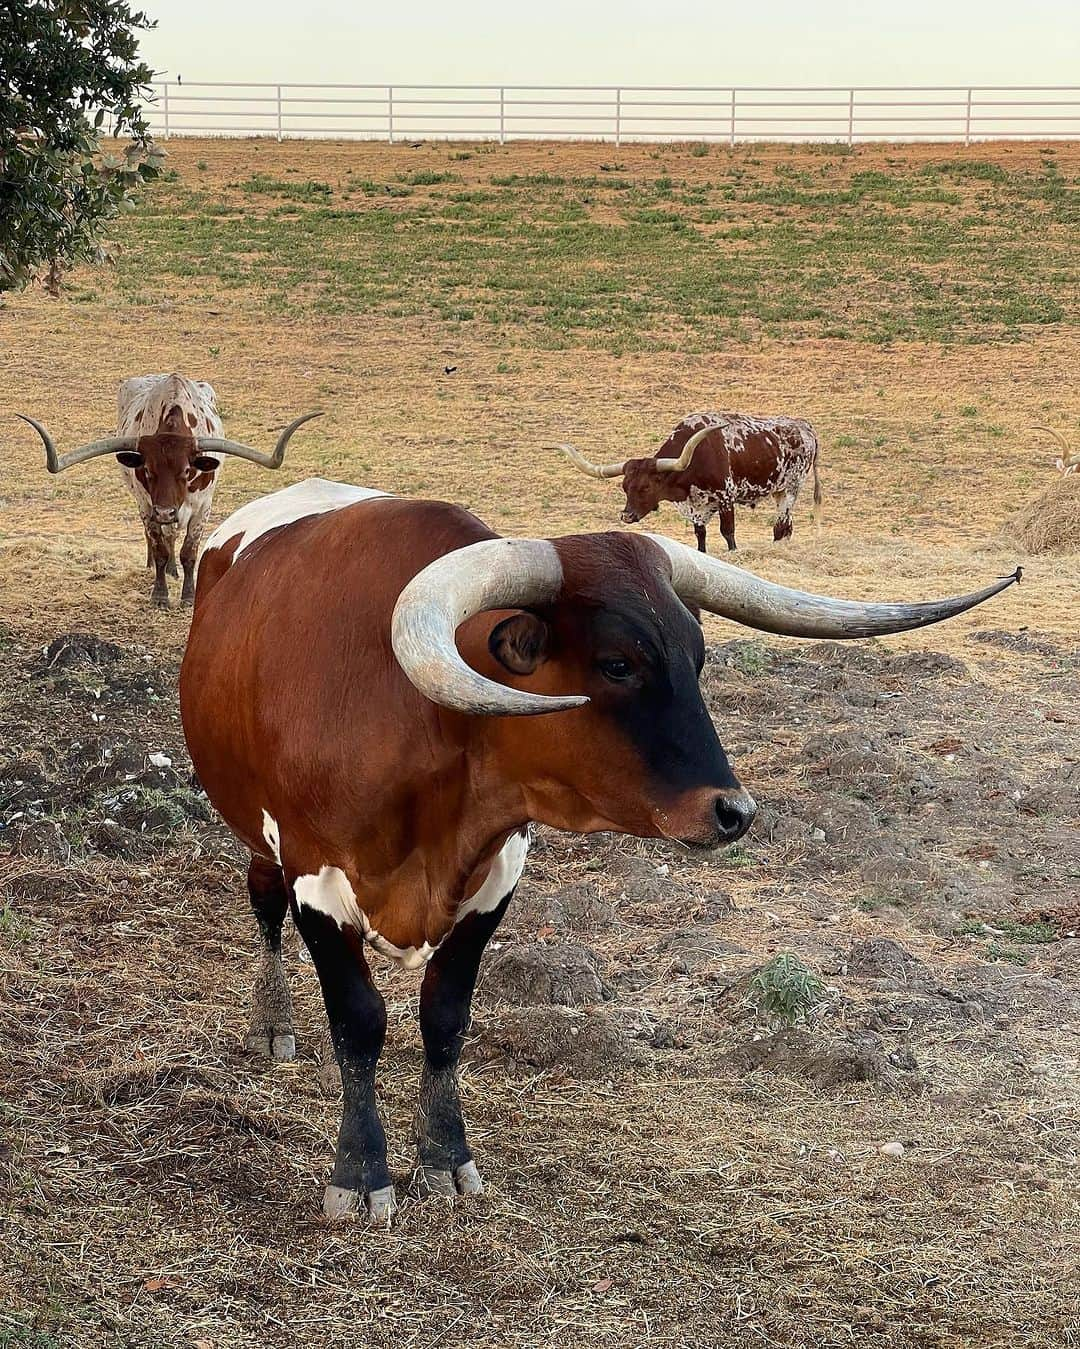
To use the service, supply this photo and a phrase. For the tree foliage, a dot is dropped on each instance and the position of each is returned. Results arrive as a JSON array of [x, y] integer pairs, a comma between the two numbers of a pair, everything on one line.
[[70, 72]]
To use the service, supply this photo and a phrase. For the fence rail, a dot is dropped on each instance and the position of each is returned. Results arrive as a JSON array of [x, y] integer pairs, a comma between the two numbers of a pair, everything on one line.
[[617, 113]]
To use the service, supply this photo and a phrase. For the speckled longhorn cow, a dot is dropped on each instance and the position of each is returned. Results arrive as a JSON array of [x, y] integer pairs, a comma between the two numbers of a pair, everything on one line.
[[713, 462], [379, 696], [169, 443]]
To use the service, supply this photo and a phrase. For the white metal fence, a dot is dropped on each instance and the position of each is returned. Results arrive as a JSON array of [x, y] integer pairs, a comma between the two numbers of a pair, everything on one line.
[[619, 114]]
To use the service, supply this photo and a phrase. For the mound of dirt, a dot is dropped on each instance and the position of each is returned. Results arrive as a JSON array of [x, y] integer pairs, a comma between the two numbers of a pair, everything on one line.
[[584, 1045], [829, 1062], [882, 959], [577, 907], [80, 649], [549, 973], [1050, 522]]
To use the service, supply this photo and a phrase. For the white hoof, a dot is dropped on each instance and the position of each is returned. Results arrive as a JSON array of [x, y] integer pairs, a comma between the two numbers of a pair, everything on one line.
[[379, 1205], [468, 1179], [434, 1181], [382, 1205]]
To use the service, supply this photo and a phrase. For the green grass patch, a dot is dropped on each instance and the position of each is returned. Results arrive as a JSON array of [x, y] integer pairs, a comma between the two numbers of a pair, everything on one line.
[[962, 251]]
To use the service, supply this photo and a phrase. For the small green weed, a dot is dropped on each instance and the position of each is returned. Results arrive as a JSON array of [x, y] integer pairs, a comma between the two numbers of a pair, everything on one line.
[[785, 991]]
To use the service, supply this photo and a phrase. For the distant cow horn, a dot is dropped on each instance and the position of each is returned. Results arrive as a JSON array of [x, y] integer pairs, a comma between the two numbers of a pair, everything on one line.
[[587, 466], [683, 461], [493, 574], [1069, 462], [56, 463], [733, 593], [213, 445]]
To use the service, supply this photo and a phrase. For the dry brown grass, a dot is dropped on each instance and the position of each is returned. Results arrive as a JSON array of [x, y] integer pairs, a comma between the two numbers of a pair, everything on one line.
[[1050, 523], [160, 1189]]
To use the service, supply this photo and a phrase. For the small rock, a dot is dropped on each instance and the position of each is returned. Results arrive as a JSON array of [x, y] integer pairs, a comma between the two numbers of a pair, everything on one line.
[[892, 1149]]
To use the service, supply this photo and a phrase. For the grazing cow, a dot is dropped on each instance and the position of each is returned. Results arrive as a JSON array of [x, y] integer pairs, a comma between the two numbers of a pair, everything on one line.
[[169, 443], [1068, 461], [713, 462], [360, 696]]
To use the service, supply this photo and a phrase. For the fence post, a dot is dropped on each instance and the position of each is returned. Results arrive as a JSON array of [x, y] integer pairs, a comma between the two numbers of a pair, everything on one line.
[[733, 116], [618, 116], [851, 117], [502, 116], [390, 109], [165, 108], [279, 112], [967, 120]]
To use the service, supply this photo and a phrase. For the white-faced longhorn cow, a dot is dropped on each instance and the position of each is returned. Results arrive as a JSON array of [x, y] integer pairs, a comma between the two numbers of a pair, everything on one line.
[[169, 443], [380, 694], [713, 462]]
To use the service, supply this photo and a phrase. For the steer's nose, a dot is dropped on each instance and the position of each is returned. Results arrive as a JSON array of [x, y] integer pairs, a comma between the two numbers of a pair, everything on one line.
[[735, 813], [165, 517]]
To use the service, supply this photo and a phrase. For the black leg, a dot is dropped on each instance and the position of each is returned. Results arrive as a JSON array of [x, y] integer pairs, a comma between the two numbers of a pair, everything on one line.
[[271, 1032], [699, 531], [357, 1016], [445, 999]]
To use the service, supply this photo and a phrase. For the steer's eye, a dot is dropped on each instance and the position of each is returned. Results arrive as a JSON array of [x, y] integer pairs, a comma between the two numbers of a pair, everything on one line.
[[616, 668]]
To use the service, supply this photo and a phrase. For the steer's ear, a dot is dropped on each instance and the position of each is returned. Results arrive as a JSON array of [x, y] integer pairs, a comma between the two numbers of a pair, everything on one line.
[[206, 463], [130, 458], [519, 643]]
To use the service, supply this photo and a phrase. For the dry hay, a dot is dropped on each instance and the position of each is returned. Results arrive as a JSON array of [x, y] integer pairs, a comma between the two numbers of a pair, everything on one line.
[[1050, 522]]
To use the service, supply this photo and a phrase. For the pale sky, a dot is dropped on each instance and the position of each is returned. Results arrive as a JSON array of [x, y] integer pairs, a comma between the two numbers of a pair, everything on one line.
[[665, 42]]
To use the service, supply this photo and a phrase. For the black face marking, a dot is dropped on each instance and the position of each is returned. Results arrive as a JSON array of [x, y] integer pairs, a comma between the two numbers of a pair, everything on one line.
[[649, 657]]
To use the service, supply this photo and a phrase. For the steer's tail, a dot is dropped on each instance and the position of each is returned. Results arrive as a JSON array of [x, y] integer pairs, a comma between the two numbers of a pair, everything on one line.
[[817, 487]]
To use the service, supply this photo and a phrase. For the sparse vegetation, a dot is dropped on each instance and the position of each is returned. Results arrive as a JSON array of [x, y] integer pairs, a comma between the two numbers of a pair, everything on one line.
[[634, 260], [786, 992]]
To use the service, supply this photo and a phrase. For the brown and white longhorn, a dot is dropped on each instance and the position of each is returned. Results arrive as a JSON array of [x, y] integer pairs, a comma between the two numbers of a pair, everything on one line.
[[379, 695], [713, 462], [169, 443]]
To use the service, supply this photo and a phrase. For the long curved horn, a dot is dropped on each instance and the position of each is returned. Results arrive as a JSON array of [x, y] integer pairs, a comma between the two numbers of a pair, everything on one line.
[[587, 466], [214, 445], [733, 593], [494, 574], [1056, 435], [56, 463], [683, 461]]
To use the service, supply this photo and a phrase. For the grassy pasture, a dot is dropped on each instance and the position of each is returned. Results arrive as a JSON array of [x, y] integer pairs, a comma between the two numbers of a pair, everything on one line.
[[452, 308]]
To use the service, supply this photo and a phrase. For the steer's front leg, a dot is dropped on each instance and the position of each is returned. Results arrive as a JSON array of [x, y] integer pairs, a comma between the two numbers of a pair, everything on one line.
[[189, 555], [446, 1164], [357, 1015]]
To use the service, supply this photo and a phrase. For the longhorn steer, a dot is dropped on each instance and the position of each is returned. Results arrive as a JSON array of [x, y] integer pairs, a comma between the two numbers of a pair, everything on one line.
[[713, 462], [360, 696], [169, 443]]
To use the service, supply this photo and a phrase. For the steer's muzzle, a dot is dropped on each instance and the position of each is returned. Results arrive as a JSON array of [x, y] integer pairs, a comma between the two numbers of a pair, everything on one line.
[[628, 517], [713, 819], [163, 517], [735, 811]]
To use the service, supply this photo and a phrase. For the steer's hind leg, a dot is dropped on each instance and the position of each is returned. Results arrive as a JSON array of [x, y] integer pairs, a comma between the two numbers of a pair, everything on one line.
[[357, 1016], [446, 1164], [727, 526], [782, 526], [271, 1032]]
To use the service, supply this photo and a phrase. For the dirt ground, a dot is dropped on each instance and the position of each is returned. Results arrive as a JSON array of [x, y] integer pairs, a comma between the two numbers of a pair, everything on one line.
[[664, 1165]]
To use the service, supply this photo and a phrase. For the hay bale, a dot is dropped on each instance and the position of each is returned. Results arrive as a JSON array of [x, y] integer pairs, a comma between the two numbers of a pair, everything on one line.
[[1050, 522]]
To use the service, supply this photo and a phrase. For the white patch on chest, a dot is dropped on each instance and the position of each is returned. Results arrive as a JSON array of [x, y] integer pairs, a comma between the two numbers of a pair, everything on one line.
[[314, 496], [331, 894], [504, 875], [272, 835]]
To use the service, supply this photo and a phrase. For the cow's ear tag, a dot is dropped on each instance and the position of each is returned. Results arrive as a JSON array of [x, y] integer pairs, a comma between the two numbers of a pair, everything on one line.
[[519, 643]]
